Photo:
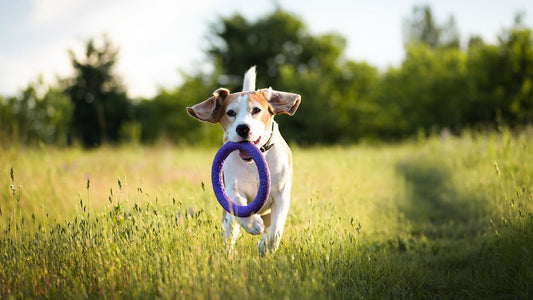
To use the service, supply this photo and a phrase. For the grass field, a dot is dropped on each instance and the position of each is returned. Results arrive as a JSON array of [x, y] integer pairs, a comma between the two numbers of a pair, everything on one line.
[[434, 218]]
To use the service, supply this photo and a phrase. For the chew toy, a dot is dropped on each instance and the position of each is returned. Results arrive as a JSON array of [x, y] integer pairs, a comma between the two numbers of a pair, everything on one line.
[[218, 183]]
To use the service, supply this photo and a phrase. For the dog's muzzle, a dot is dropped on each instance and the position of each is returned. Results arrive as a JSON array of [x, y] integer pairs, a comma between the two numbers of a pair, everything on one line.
[[243, 131]]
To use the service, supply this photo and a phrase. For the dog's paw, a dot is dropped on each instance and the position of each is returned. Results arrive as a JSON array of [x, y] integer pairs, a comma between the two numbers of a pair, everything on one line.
[[263, 245], [268, 243], [253, 225]]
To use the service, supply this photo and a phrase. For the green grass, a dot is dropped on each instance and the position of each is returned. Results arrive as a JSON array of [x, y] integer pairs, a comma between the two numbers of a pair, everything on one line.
[[434, 218]]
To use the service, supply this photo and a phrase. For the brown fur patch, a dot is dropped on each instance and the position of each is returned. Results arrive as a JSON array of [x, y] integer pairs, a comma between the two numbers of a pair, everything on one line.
[[266, 109], [225, 122]]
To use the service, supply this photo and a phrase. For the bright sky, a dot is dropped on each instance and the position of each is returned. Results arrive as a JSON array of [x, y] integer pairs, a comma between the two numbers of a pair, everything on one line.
[[157, 38]]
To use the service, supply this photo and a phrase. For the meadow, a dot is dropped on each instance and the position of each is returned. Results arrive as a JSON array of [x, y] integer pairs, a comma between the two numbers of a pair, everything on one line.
[[438, 217]]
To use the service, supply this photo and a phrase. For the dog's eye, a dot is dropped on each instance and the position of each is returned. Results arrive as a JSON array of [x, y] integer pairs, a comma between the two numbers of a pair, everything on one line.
[[256, 110], [231, 113]]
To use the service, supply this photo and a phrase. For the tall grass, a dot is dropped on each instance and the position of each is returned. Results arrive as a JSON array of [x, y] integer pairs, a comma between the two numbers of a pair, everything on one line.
[[439, 217]]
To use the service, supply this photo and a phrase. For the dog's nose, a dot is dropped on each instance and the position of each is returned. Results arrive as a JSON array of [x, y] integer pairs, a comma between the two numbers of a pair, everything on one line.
[[243, 130]]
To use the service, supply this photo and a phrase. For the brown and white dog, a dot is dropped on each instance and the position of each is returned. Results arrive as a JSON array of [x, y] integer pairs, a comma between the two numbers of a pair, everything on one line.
[[249, 116]]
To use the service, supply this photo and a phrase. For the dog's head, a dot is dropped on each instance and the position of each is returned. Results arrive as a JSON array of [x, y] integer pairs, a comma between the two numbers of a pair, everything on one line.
[[245, 116]]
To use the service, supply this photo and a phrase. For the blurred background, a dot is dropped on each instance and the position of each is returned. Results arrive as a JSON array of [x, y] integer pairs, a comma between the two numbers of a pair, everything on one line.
[[109, 72]]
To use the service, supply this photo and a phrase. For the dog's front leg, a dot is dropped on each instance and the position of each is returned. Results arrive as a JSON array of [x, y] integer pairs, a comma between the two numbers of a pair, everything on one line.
[[280, 208], [230, 231], [254, 224]]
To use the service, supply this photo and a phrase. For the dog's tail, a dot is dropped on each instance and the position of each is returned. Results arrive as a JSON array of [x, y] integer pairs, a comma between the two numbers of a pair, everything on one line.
[[249, 80]]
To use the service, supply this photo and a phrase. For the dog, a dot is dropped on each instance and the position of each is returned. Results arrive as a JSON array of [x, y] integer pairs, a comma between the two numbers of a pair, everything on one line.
[[249, 116]]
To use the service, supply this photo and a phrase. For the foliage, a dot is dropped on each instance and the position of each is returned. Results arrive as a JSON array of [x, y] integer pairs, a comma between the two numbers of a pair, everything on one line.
[[336, 108], [289, 58], [165, 117], [441, 217], [450, 88], [511, 74], [276, 40], [422, 93], [101, 105], [39, 114], [439, 86], [423, 28]]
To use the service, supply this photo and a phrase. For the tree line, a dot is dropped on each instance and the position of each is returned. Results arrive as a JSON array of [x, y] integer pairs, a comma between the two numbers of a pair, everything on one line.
[[440, 85]]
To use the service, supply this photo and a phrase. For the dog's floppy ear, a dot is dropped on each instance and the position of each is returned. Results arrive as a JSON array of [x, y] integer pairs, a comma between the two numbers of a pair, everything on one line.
[[209, 109], [282, 102]]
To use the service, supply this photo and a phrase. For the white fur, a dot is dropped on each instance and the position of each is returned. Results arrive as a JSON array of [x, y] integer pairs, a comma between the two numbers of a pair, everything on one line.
[[249, 80]]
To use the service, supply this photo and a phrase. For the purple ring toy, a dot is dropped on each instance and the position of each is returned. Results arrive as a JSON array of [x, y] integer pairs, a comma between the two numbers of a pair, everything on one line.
[[218, 185]]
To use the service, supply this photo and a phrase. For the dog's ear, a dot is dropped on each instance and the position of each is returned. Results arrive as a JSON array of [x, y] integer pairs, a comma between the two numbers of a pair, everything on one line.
[[282, 102], [209, 109]]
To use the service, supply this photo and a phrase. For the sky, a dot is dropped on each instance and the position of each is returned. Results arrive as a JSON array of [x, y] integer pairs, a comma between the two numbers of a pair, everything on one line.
[[160, 38]]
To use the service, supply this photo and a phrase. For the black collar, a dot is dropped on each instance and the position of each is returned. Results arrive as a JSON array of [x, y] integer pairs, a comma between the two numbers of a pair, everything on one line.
[[268, 144]]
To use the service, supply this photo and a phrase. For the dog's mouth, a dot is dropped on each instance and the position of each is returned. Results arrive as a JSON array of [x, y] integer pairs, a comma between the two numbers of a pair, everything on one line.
[[245, 156]]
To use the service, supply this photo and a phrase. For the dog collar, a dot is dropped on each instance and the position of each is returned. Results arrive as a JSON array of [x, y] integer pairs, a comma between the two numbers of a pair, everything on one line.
[[268, 144]]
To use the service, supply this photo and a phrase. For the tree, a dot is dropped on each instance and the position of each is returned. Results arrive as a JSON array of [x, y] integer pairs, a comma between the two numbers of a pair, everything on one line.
[[336, 106], [289, 58], [516, 50], [164, 117], [423, 28], [501, 78], [426, 92], [38, 114], [274, 41], [101, 105]]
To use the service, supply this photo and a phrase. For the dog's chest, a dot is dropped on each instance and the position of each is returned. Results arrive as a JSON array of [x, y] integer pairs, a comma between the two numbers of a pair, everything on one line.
[[241, 175]]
